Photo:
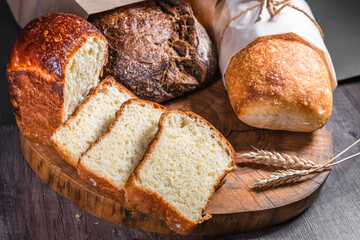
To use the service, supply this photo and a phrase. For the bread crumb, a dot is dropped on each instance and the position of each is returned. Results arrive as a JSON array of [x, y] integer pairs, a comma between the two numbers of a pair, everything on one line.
[[93, 182], [78, 216], [126, 199]]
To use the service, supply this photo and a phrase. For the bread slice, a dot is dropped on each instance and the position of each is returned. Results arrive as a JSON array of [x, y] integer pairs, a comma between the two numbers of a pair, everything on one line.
[[109, 162], [180, 171], [90, 120]]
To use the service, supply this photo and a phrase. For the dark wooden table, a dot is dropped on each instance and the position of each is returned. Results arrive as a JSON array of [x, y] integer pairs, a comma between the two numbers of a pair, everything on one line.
[[30, 210]]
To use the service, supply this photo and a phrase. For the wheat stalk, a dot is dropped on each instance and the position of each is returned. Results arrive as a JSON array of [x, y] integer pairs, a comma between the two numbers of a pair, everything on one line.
[[280, 178], [279, 159], [292, 176]]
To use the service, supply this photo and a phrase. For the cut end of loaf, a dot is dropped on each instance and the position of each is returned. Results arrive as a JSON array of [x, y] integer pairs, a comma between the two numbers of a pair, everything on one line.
[[181, 170], [90, 120], [82, 73], [117, 153]]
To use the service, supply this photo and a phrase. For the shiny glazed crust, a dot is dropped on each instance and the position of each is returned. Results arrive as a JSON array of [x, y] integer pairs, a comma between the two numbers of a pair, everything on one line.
[[280, 82], [150, 202], [36, 71], [109, 80], [102, 184], [157, 48]]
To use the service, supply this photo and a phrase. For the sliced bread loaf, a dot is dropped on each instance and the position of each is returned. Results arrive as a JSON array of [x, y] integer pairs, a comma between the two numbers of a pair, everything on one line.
[[90, 120], [56, 61], [111, 160], [180, 171]]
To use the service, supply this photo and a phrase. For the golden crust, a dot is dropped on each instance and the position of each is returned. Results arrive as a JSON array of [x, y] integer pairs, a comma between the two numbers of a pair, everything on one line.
[[108, 81], [150, 202], [37, 103], [284, 75], [48, 42], [102, 184], [36, 71]]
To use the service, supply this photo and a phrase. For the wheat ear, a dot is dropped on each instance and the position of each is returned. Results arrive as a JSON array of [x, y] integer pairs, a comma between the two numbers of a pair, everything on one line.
[[280, 178], [279, 159], [292, 176]]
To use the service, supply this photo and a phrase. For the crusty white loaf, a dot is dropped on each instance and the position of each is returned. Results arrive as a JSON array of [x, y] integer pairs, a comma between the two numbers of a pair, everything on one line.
[[180, 170], [109, 162], [54, 63], [280, 82], [90, 120]]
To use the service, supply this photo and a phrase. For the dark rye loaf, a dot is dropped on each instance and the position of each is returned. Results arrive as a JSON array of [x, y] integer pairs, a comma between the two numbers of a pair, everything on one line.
[[157, 49]]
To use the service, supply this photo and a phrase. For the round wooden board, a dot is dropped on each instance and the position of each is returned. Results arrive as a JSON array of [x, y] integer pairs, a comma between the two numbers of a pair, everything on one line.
[[235, 207]]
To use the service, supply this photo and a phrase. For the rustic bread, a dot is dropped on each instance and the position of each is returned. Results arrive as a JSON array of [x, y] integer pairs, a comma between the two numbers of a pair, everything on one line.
[[157, 49], [280, 82], [180, 171], [55, 62], [90, 120], [204, 11], [112, 159]]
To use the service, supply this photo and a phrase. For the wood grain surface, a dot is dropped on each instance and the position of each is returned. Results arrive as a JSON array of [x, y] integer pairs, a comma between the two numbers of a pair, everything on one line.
[[29, 209], [236, 206]]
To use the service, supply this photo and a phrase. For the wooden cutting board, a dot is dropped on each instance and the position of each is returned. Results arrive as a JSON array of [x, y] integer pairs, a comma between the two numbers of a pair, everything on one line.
[[235, 207]]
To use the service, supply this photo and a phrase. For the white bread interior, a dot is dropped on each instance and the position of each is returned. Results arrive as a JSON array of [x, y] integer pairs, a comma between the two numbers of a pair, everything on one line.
[[117, 153], [90, 120], [182, 167], [82, 73]]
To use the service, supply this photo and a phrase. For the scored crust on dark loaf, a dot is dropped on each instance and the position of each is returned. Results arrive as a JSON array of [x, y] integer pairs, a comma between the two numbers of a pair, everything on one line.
[[157, 49]]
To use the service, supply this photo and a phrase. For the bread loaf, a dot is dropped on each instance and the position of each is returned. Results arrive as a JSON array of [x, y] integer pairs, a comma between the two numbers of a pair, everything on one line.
[[180, 171], [204, 11], [157, 49], [90, 120], [109, 162], [54, 63], [280, 82]]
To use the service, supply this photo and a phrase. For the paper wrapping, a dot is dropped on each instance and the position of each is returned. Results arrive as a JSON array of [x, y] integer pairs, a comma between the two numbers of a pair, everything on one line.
[[245, 29], [26, 10]]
